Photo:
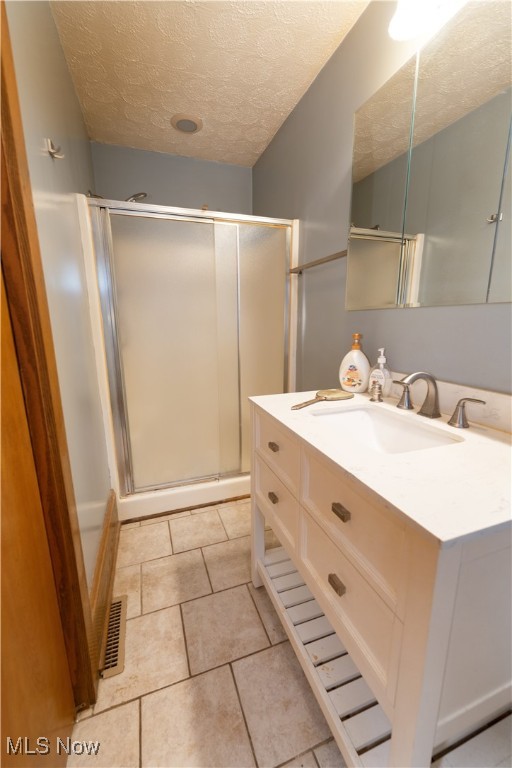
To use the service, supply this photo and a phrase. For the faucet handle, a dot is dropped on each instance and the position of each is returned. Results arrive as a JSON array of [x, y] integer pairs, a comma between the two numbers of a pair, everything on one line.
[[458, 418], [405, 401]]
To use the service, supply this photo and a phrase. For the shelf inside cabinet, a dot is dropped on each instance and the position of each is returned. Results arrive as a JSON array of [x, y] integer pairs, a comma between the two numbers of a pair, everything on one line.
[[358, 723]]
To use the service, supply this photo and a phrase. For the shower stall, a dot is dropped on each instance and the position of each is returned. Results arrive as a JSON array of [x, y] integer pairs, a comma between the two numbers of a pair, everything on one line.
[[196, 317]]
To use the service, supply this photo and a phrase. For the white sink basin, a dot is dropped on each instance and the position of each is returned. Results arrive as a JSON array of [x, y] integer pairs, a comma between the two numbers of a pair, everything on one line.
[[384, 431]]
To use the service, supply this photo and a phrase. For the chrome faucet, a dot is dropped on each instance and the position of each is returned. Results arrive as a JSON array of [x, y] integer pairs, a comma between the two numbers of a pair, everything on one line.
[[430, 407]]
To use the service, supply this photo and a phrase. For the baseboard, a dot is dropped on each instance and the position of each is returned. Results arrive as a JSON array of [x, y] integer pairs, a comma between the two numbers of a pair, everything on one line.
[[103, 581]]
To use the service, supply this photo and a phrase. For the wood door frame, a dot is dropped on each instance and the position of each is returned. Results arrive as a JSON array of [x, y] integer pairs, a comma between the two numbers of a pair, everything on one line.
[[28, 308]]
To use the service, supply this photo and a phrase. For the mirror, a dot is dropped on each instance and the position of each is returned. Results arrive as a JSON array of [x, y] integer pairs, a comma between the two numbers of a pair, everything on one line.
[[454, 211]]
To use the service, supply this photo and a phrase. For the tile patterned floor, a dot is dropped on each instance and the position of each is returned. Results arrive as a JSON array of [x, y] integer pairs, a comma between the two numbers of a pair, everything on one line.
[[210, 678]]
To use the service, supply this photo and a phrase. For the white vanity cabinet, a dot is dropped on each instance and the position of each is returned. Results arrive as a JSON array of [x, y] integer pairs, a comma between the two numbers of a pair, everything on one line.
[[404, 638]]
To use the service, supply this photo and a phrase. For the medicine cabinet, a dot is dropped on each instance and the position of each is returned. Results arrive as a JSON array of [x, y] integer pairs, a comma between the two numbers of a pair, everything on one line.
[[431, 173]]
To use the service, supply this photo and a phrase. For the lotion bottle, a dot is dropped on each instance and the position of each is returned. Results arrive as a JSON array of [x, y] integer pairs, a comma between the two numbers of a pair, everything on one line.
[[381, 374], [355, 368]]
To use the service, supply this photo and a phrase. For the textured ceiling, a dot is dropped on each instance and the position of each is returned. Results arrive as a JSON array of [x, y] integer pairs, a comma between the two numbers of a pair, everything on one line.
[[241, 66], [466, 65]]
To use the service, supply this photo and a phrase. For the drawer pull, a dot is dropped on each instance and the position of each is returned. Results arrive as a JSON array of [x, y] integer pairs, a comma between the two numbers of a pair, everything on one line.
[[273, 447], [273, 497], [337, 584], [341, 511]]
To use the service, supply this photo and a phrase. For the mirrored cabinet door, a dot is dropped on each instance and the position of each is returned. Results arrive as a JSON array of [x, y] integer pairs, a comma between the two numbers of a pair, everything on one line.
[[461, 126], [448, 194]]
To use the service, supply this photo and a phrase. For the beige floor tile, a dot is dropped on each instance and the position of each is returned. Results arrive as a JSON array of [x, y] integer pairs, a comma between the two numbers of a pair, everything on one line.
[[236, 519], [281, 712], [229, 563], [144, 543], [329, 756], [196, 531], [195, 723], [221, 627], [172, 580], [125, 526], [127, 582], [271, 539], [303, 761], [117, 732], [163, 518], [268, 615], [155, 656]]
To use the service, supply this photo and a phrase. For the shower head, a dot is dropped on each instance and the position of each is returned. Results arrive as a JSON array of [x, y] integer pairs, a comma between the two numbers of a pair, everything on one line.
[[136, 197]]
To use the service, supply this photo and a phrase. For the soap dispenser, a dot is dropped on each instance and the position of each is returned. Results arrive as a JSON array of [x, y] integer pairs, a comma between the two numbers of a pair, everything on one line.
[[380, 374], [355, 368]]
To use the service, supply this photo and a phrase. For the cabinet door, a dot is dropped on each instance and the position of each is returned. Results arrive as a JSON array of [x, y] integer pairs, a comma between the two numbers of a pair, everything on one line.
[[36, 686]]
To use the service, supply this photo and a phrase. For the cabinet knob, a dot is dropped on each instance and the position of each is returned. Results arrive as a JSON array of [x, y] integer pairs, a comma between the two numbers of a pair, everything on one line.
[[340, 511], [273, 497], [273, 447], [337, 584]]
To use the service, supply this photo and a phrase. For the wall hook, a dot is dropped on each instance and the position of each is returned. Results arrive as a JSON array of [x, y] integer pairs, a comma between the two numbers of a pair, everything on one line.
[[54, 152]]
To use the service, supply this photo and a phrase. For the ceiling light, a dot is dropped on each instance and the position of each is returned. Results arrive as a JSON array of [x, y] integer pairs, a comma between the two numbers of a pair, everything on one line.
[[422, 17], [186, 123]]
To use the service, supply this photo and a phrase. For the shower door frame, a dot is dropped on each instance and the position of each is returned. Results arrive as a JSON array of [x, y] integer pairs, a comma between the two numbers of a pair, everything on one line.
[[103, 246]]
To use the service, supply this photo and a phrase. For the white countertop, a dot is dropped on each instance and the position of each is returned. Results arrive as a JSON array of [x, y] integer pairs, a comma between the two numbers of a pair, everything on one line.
[[451, 491]]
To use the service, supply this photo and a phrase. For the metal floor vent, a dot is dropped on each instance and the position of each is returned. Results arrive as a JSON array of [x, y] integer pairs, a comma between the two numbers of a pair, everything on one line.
[[114, 651]]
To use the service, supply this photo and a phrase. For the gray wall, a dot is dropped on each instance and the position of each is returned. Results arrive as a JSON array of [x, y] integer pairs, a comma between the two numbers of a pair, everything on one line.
[[171, 180], [379, 198], [306, 173], [49, 109]]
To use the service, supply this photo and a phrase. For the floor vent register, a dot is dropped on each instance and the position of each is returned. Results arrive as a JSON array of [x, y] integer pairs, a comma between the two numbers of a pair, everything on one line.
[[116, 635]]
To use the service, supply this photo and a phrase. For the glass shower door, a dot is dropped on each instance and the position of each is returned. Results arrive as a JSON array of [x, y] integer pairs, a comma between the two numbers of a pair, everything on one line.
[[176, 307]]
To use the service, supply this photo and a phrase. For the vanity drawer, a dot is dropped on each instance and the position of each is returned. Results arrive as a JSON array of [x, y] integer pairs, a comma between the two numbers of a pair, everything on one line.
[[364, 623], [279, 450], [280, 508], [373, 538]]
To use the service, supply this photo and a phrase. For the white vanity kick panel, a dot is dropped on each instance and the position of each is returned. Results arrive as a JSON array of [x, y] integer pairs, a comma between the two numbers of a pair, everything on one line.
[[360, 617], [283, 516], [279, 450], [374, 539]]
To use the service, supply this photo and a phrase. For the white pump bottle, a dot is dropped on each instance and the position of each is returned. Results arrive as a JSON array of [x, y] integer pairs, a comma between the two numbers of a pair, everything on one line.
[[354, 368], [381, 374]]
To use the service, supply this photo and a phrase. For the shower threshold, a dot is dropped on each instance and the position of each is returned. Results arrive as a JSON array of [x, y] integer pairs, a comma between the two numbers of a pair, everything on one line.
[[204, 492], [188, 482]]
